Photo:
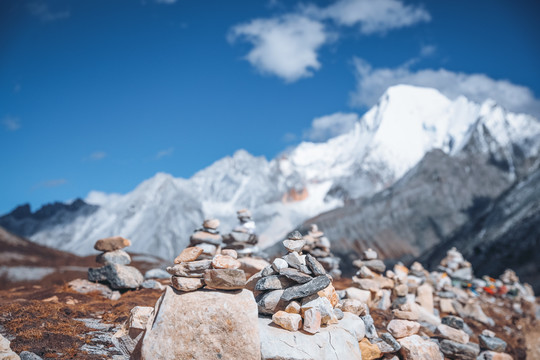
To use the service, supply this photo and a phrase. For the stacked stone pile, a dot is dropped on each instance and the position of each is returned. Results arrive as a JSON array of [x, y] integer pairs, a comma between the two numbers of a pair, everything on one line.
[[192, 271], [115, 270], [296, 290], [209, 316], [456, 266], [243, 238], [400, 313], [318, 246], [430, 311], [207, 238], [370, 279]]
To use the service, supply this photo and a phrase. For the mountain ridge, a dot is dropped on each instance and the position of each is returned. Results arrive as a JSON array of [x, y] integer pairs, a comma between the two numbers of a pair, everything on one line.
[[313, 178]]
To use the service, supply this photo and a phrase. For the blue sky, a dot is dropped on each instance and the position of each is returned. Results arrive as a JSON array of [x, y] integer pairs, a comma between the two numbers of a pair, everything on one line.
[[100, 95]]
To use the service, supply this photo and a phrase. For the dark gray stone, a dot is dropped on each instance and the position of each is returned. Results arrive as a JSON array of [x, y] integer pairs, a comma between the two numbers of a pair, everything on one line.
[[303, 290], [453, 321], [492, 343], [457, 351], [315, 266], [390, 340], [118, 276], [273, 282], [398, 301], [371, 331], [270, 302], [304, 269], [27, 355], [295, 275], [267, 271]]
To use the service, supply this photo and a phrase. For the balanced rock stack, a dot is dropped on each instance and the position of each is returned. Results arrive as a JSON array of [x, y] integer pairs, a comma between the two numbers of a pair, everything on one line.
[[191, 271], [369, 277], [456, 266], [243, 238], [115, 270], [296, 290], [318, 246], [207, 238]]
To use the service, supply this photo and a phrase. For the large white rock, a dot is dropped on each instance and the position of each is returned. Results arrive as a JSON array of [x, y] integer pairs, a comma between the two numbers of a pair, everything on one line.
[[5, 350], [130, 334], [335, 342], [203, 325]]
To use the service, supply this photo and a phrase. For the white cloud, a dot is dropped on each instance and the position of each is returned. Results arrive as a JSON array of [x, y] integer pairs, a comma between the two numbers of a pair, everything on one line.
[[371, 84], [377, 16], [97, 155], [42, 11], [11, 123], [163, 153], [285, 46], [166, 1], [326, 127]]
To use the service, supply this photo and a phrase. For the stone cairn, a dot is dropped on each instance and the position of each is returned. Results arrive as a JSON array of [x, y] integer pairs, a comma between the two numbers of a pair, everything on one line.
[[243, 238], [296, 290], [193, 270], [115, 270], [207, 238], [318, 246], [436, 305], [456, 266]]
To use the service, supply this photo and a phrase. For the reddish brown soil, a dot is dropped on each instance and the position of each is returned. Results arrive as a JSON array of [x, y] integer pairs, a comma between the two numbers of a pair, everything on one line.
[[48, 327]]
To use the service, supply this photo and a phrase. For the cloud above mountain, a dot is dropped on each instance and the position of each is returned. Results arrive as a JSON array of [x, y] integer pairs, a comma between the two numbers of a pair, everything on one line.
[[371, 16], [372, 82], [326, 127], [287, 45]]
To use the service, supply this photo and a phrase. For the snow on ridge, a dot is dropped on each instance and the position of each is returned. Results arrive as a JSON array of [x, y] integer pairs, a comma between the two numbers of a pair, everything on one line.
[[388, 140]]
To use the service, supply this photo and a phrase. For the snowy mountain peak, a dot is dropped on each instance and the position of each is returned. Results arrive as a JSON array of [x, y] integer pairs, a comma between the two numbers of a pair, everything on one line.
[[387, 141]]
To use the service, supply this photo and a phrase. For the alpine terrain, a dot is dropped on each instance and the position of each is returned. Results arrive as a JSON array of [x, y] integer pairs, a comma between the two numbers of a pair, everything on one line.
[[413, 168]]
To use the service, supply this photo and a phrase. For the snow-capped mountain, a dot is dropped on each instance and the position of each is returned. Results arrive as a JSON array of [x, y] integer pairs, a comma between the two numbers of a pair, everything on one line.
[[390, 139]]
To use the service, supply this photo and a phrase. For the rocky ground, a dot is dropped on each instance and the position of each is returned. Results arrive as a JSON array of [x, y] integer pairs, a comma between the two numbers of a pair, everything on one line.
[[56, 322], [49, 318]]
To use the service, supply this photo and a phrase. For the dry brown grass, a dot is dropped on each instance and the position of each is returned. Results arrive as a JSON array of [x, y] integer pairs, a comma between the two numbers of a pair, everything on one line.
[[49, 328]]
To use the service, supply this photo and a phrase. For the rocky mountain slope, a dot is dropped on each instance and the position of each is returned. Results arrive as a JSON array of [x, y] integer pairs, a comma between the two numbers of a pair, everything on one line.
[[419, 211], [504, 234], [389, 140]]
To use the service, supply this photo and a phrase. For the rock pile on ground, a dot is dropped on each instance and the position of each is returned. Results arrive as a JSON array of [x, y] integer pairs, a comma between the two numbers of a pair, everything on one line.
[[318, 246], [207, 238], [429, 311], [296, 290], [243, 239], [206, 314], [456, 266], [371, 280], [115, 270], [192, 271]]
